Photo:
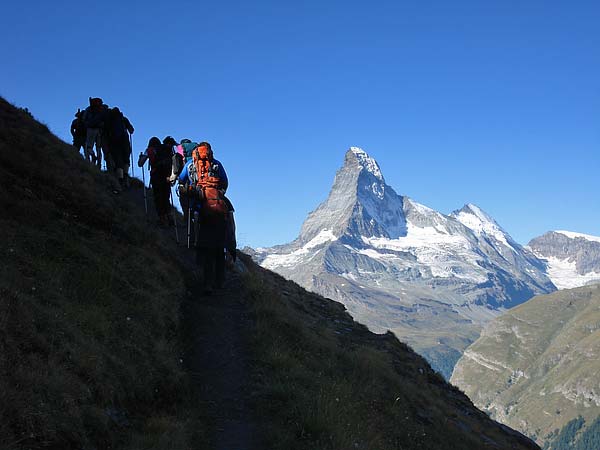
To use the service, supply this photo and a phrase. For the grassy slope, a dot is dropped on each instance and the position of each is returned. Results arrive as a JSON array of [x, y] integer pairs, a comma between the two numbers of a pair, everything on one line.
[[323, 381], [89, 301], [555, 341]]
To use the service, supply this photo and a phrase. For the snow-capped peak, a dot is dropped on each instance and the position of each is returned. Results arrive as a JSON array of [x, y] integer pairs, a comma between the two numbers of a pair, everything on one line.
[[473, 217], [573, 235], [367, 162], [479, 213]]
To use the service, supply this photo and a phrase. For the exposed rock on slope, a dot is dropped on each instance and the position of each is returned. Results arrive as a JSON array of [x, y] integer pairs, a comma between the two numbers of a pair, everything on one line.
[[536, 367], [432, 279]]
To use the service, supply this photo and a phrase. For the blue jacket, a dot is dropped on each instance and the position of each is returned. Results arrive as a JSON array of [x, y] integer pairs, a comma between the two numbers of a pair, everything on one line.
[[184, 176]]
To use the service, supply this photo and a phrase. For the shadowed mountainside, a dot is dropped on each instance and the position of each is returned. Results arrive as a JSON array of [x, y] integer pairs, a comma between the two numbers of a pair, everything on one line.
[[89, 306]]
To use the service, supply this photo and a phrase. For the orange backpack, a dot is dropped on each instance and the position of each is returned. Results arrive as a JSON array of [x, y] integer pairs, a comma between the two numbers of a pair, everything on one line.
[[209, 181]]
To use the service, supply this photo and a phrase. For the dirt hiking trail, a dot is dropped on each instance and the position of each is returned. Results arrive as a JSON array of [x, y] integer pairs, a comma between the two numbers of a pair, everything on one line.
[[216, 350]]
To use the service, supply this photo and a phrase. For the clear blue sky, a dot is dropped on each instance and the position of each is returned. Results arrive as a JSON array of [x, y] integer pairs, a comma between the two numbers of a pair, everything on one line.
[[496, 103]]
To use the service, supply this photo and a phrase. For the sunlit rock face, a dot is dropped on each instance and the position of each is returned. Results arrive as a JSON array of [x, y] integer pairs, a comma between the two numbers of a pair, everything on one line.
[[572, 259], [433, 279]]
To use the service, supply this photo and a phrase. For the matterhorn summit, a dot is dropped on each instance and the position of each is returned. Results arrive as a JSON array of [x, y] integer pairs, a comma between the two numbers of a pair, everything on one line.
[[359, 203], [432, 279]]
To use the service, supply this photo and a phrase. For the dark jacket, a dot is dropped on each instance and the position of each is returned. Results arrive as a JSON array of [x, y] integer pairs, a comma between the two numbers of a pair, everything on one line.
[[78, 130], [95, 116]]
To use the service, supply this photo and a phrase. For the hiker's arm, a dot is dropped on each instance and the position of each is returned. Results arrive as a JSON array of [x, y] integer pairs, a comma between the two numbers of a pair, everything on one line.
[[128, 125], [143, 158], [183, 176], [223, 175]]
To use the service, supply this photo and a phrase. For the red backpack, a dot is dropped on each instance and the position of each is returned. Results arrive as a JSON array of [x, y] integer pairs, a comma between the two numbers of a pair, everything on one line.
[[209, 181]]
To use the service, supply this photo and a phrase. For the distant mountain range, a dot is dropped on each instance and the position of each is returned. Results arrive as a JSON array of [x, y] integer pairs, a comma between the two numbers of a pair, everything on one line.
[[536, 368], [433, 279]]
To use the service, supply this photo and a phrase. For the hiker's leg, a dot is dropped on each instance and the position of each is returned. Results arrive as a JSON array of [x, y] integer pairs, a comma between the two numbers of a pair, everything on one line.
[[156, 194], [201, 257], [161, 188], [183, 202], [111, 162], [99, 149], [219, 257], [210, 269], [90, 140]]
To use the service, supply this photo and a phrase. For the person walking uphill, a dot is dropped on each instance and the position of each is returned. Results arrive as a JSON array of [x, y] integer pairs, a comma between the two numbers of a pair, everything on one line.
[[78, 131], [94, 118], [118, 129], [159, 156], [211, 186]]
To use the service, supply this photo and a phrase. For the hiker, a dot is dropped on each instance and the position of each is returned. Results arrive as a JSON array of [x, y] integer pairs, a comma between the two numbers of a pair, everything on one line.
[[213, 214], [178, 161], [230, 240], [117, 130], [170, 143], [78, 131], [94, 118], [160, 169], [185, 148]]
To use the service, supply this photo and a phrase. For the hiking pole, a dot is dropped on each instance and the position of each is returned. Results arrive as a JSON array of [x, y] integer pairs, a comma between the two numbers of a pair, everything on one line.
[[189, 222], [144, 181], [131, 155], [174, 215]]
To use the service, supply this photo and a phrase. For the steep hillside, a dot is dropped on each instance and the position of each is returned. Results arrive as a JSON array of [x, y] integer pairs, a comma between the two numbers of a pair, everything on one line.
[[324, 381], [432, 279], [536, 367], [105, 344], [89, 306]]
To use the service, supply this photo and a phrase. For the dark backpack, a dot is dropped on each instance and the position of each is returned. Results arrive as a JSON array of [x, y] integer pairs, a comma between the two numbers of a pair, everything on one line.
[[116, 125], [162, 161]]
